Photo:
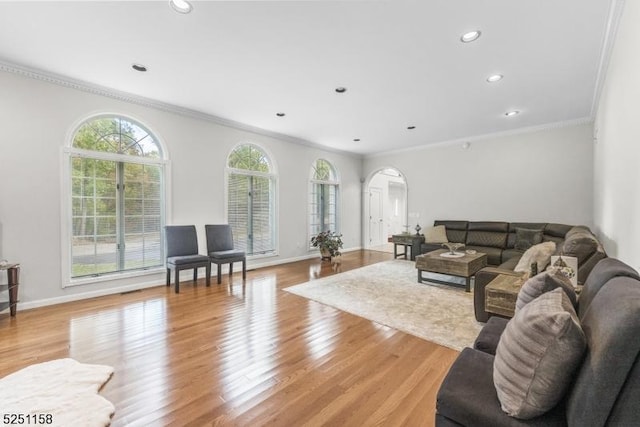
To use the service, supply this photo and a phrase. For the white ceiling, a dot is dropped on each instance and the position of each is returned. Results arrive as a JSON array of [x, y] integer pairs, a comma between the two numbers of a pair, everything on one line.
[[401, 61]]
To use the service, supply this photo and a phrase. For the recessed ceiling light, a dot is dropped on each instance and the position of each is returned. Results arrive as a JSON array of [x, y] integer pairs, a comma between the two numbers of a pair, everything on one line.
[[512, 113], [280, 114], [411, 127], [470, 36], [139, 67], [181, 6], [356, 139], [341, 89], [494, 78]]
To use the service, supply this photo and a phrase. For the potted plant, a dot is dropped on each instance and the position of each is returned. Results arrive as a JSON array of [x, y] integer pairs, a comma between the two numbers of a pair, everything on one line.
[[328, 242]]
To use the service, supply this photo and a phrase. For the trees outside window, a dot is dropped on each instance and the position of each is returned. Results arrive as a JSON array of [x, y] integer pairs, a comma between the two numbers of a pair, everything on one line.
[[251, 199], [323, 198], [117, 207]]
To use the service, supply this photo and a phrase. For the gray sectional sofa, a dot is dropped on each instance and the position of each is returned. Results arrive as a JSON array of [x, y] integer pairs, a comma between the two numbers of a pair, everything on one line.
[[605, 389], [498, 239]]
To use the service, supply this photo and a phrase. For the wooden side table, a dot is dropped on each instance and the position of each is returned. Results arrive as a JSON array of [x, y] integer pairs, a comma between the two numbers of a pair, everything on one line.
[[501, 293], [13, 279], [410, 241]]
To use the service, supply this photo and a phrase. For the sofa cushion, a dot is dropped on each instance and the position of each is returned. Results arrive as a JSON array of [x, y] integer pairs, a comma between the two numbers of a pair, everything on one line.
[[467, 396], [507, 254], [494, 255], [580, 244], [511, 239], [557, 230], [486, 238], [489, 336], [605, 388], [456, 230], [537, 355], [525, 238], [540, 254], [542, 283], [605, 270], [436, 234]]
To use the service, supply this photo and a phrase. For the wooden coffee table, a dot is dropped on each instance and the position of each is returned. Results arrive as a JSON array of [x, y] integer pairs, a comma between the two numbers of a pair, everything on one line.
[[465, 266]]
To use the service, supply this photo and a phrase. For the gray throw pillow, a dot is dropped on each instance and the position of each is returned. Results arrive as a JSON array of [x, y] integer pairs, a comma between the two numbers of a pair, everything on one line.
[[525, 238], [538, 353], [544, 282], [580, 244]]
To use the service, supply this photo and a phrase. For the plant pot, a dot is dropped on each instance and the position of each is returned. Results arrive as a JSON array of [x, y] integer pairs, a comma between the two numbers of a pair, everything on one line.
[[325, 254]]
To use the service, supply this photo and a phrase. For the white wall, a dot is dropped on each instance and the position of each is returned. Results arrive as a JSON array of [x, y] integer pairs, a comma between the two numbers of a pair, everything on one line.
[[36, 119], [617, 148], [541, 176]]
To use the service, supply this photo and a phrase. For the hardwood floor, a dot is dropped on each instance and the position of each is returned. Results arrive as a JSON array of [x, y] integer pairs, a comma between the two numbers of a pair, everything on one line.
[[238, 355]]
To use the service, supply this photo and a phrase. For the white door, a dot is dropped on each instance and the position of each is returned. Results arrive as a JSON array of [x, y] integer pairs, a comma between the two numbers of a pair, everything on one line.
[[376, 220]]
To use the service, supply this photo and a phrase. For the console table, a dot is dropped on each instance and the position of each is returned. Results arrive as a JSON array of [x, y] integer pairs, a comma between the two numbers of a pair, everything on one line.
[[13, 276], [409, 241]]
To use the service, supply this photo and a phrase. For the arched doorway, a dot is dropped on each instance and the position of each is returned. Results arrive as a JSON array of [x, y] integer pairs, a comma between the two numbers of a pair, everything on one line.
[[384, 208]]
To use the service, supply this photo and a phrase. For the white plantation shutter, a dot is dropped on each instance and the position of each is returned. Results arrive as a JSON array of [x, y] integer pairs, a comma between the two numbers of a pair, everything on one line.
[[323, 198], [251, 201]]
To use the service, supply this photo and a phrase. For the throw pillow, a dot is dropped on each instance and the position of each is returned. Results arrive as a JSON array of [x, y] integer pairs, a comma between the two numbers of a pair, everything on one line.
[[580, 244], [526, 237], [540, 254], [538, 353], [544, 282], [436, 234]]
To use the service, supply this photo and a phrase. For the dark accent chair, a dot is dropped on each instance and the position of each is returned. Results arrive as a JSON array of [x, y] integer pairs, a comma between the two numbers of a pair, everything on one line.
[[182, 253], [221, 251]]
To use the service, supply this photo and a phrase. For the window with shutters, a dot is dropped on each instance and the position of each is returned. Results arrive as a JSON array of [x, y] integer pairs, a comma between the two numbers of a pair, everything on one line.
[[117, 204], [251, 200], [323, 198]]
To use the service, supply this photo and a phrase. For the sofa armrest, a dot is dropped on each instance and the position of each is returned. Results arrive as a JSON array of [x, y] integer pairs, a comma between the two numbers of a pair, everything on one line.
[[482, 278], [489, 337]]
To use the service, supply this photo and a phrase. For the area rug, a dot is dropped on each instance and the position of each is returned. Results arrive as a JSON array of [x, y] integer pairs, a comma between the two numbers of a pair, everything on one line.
[[389, 293], [65, 389]]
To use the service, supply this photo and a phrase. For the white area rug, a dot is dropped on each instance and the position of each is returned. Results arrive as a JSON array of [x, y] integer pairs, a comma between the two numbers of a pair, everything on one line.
[[64, 388], [389, 293]]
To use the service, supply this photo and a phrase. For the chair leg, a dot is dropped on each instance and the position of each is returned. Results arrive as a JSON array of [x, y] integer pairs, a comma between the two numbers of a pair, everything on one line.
[[219, 273], [168, 276], [177, 280], [195, 274], [230, 269], [244, 269], [208, 274]]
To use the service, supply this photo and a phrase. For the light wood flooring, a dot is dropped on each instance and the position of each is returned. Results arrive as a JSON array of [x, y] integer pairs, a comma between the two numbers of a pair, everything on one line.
[[238, 355]]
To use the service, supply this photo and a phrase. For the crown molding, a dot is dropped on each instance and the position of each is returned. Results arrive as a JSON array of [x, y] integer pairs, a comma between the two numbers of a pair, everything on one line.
[[84, 86], [518, 131], [608, 41]]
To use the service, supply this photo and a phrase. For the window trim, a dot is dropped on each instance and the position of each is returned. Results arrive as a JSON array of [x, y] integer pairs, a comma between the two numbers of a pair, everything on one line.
[[273, 174], [66, 223]]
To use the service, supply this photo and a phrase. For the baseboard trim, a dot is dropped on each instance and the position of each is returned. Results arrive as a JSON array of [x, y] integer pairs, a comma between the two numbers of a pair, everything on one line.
[[153, 283]]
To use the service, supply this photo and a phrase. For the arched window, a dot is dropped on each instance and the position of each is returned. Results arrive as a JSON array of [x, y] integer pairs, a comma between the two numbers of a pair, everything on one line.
[[251, 199], [117, 208], [323, 198]]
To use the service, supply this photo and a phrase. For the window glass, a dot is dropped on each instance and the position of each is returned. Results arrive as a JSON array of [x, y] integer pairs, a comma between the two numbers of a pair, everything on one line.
[[251, 200], [117, 206], [323, 198]]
